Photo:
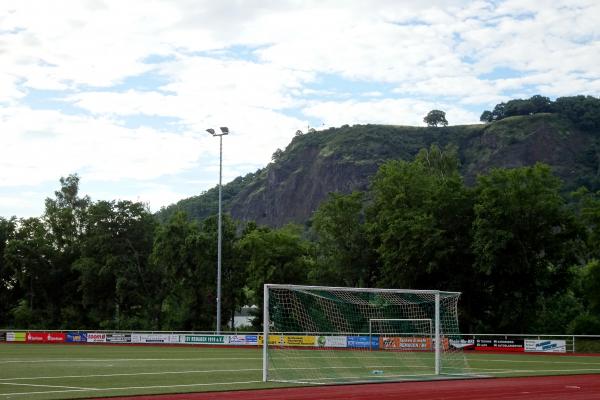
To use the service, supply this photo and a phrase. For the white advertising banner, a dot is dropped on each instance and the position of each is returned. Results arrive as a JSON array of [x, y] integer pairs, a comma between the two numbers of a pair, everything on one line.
[[155, 338], [332, 341], [242, 340], [545, 346], [94, 337]]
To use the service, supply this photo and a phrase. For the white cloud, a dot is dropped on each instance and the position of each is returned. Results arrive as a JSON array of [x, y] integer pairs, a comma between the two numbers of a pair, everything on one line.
[[386, 111], [259, 67], [41, 146]]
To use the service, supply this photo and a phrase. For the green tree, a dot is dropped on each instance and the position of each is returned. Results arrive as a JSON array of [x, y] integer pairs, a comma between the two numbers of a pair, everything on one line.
[[64, 217], [435, 118], [344, 254], [180, 257], [9, 289], [117, 286], [273, 256], [29, 256], [523, 240], [419, 208], [486, 116]]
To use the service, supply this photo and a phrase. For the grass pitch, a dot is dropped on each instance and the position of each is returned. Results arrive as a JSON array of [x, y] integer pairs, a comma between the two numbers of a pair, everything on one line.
[[83, 371]]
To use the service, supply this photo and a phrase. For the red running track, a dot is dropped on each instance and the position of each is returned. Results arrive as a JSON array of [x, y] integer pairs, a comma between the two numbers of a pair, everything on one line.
[[572, 387]]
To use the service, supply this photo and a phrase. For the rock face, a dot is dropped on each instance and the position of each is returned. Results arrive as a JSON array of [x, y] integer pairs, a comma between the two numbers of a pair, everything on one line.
[[344, 159], [292, 191]]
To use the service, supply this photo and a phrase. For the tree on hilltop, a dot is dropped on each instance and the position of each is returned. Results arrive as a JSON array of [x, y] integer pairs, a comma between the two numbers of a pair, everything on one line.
[[435, 118]]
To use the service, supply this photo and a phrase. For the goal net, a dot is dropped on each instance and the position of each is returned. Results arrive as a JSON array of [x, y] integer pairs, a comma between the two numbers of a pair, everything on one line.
[[321, 335]]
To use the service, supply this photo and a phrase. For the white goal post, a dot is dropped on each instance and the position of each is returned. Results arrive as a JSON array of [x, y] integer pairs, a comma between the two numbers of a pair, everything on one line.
[[320, 334]]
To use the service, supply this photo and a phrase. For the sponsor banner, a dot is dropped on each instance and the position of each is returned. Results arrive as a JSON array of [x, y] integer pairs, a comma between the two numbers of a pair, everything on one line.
[[362, 342], [94, 337], [289, 340], [2, 336], [546, 346], [332, 341], [52, 337], [405, 343], [462, 344], [118, 338], [33, 337], [76, 337], [16, 336], [505, 345], [205, 339], [273, 340], [242, 340], [154, 338], [299, 340]]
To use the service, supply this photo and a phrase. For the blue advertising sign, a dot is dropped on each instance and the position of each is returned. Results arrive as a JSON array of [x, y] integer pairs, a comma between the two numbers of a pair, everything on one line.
[[76, 337], [362, 342]]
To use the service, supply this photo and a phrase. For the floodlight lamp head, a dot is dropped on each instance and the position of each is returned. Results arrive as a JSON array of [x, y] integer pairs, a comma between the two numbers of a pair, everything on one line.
[[225, 130], [211, 131]]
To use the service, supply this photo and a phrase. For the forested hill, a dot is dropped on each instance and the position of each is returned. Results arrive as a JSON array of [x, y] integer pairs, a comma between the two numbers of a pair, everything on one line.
[[343, 159]]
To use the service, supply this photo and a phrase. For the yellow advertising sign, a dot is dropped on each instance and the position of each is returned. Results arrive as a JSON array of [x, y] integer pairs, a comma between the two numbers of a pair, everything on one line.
[[299, 341], [288, 340], [273, 339]]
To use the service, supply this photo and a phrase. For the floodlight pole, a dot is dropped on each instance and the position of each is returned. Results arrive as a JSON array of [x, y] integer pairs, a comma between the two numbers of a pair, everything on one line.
[[224, 131]]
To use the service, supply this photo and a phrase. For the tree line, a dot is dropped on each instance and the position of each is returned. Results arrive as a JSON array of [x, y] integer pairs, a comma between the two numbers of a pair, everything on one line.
[[584, 111], [525, 257]]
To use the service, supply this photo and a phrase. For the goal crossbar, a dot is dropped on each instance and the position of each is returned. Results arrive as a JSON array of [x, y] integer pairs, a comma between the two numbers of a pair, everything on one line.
[[355, 289]]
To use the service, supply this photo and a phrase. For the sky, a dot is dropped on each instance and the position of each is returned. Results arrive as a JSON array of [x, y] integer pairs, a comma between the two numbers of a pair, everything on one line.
[[122, 92]]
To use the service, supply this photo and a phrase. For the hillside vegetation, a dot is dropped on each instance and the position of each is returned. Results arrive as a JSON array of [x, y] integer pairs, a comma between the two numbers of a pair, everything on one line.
[[344, 159]]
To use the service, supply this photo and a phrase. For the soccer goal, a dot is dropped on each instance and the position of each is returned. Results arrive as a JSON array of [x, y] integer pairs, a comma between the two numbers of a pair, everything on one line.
[[321, 335]]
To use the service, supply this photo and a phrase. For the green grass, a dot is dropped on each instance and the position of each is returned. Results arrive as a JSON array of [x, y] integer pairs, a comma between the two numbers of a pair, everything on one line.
[[79, 371]]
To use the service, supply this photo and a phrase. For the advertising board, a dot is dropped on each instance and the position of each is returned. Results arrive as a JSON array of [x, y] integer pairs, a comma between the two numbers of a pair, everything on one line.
[[16, 336], [293, 340], [204, 339], [546, 346], [332, 341], [273, 340], [95, 337], [503, 345], [118, 338], [242, 340], [33, 337], [405, 343], [2, 336], [155, 338], [76, 337], [462, 344], [56, 337], [362, 342]]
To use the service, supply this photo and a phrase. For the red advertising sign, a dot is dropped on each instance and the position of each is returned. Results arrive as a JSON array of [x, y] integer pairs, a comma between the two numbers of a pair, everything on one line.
[[45, 337], [36, 337], [56, 337]]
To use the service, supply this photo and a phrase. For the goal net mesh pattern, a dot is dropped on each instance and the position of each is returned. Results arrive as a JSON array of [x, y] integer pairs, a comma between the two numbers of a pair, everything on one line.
[[337, 335]]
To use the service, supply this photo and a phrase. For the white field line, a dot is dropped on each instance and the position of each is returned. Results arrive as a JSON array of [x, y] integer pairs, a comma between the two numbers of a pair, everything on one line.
[[207, 372], [475, 360], [125, 359], [132, 374], [129, 388], [38, 385]]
